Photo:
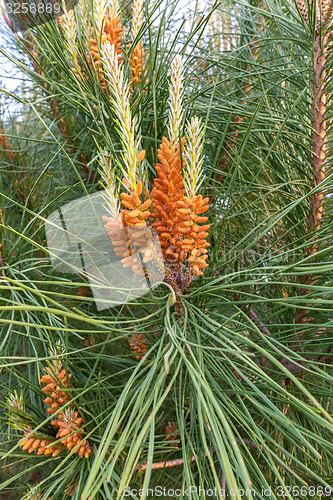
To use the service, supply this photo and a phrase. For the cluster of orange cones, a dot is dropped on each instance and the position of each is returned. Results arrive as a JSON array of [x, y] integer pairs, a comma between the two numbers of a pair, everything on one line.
[[67, 420], [70, 435], [111, 32]]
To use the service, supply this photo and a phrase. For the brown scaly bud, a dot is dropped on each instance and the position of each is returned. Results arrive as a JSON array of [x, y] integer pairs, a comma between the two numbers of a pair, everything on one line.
[[326, 12], [138, 345], [303, 8], [323, 12], [171, 431], [83, 291]]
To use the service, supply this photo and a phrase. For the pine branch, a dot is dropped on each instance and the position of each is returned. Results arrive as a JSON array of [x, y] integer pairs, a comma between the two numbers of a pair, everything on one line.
[[180, 461], [319, 145], [2, 262]]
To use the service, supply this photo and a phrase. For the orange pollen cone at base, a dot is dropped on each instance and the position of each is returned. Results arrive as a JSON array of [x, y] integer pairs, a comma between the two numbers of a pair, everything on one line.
[[112, 32], [168, 192], [42, 446], [117, 236], [177, 217], [136, 63], [57, 397], [66, 420], [132, 235], [179, 220], [135, 215], [138, 345], [72, 438]]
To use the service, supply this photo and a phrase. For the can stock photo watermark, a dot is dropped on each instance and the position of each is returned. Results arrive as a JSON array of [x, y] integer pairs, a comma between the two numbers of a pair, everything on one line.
[[121, 264], [21, 15], [193, 492]]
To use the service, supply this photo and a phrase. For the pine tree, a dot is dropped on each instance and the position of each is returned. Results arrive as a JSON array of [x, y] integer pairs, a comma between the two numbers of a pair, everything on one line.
[[219, 144]]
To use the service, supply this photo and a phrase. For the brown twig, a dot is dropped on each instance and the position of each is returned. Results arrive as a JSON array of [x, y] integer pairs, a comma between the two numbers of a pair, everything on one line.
[[180, 461], [165, 464], [319, 149], [2, 262], [170, 463]]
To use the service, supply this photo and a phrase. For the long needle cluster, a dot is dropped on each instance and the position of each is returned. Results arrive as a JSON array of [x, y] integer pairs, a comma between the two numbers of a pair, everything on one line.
[[70, 489]]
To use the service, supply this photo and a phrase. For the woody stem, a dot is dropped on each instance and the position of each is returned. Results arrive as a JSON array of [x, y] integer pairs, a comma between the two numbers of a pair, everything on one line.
[[319, 134], [319, 149]]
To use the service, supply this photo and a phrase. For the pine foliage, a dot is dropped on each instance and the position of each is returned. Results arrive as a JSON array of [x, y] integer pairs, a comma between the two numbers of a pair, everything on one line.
[[219, 377]]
